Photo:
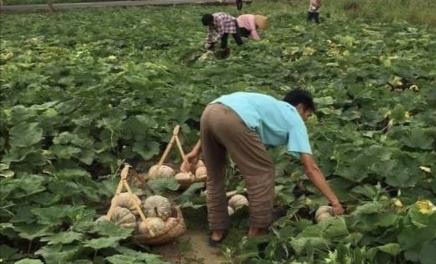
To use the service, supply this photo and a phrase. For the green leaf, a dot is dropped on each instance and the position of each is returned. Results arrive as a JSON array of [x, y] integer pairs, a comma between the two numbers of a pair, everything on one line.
[[63, 238], [191, 193], [103, 242], [33, 231], [6, 252], [64, 151], [368, 191], [308, 243], [109, 229], [159, 185], [29, 261], [4, 170], [140, 256], [333, 228], [324, 101], [368, 208], [59, 253], [83, 261], [147, 150], [4, 226], [392, 249], [121, 259], [427, 254], [71, 174], [25, 134]]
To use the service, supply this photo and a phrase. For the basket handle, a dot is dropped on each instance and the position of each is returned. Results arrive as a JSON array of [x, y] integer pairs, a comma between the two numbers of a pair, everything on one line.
[[124, 174], [179, 146], [137, 206], [169, 145], [123, 183]]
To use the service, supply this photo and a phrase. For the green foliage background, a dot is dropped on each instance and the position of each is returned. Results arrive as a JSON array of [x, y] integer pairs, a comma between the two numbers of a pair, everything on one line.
[[81, 92]]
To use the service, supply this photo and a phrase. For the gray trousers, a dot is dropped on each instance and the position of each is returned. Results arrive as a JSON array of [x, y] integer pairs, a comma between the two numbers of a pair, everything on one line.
[[222, 132]]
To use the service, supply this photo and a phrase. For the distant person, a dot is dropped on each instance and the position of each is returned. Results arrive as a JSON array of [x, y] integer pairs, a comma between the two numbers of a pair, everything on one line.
[[220, 25], [239, 4], [249, 24], [313, 14]]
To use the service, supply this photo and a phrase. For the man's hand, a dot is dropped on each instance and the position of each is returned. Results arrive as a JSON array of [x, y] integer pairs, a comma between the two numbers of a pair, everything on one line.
[[191, 159], [189, 162], [317, 178], [337, 208]]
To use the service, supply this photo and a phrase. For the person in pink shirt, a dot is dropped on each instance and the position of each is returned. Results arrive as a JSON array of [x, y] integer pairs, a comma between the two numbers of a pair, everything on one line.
[[249, 24]]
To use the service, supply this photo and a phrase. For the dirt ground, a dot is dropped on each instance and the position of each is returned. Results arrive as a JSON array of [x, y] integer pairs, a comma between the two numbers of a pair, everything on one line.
[[191, 248]]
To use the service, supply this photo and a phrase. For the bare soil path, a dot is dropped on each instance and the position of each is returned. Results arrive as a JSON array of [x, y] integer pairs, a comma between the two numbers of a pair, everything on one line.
[[191, 248]]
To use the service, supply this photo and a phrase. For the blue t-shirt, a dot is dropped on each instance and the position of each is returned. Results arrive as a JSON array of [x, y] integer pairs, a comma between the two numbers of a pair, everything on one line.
[[276, 122]]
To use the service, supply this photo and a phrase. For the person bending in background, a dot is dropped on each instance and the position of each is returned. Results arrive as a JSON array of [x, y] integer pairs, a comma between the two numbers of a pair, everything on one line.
[[313, 13], [242, 124], [220, 25], [249, 24]]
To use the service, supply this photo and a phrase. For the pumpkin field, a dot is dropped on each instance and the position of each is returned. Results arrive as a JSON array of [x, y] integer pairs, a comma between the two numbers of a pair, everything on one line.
[[83, 93]]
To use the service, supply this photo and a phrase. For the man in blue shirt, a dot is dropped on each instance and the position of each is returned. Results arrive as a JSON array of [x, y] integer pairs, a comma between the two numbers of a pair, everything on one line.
[[243, 124]]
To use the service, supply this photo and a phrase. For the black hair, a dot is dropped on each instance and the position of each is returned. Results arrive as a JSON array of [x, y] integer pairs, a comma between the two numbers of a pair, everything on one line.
[[300, 96], [207, 19]]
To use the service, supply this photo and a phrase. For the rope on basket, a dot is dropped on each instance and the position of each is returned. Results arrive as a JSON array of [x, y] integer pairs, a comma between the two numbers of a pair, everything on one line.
[[123, 183], [174, 138]]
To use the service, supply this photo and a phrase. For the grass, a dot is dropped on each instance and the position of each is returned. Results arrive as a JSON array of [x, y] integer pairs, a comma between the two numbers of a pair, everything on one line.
[[413, 11], [418, 12]]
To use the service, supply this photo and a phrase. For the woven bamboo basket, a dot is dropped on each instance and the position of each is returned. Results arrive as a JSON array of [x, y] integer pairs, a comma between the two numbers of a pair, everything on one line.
[[186, 182], [174, 227]]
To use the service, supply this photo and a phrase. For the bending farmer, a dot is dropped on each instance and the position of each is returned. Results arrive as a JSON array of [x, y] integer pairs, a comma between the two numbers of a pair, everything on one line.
[[249, 24], [242, 124], [220, 25]]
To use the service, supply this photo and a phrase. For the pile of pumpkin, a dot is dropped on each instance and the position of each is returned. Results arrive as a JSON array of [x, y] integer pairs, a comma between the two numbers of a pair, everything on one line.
[[185, 179], [152, 218]]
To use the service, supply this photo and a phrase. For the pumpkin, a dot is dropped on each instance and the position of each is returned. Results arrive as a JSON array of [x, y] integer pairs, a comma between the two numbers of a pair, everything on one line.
[[201, 173], [199, 164], [323, 213], [157, 171], [184, 177], [123, 217], [237, 201], [151, 227], [230, 210], [157, 206], [128, 201]]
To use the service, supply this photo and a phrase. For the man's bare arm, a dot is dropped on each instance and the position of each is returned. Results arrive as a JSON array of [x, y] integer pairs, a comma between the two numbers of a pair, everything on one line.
[[317, 178]]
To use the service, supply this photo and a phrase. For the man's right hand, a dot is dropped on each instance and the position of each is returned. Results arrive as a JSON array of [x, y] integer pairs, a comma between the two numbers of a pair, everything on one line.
[[189, 161]]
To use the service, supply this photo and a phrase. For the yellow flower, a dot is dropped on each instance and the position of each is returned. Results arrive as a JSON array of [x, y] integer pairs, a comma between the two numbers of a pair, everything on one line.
[[425, 206]]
